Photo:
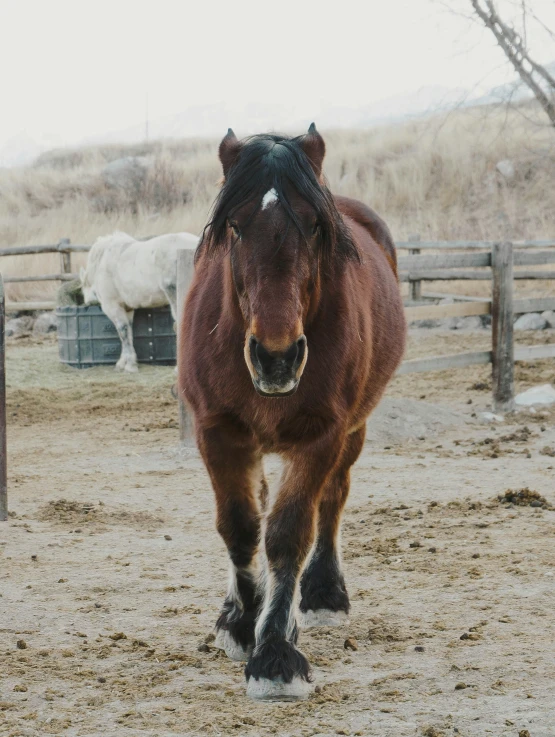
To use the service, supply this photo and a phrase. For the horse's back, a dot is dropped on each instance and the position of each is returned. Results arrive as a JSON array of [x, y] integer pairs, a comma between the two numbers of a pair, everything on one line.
[[146, 258], [376, 306], [164, 251], [135, 272], [172, 241], [373, 223]]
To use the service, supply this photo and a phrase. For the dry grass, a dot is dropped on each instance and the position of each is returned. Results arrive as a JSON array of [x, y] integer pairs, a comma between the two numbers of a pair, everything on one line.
[[435, 176]]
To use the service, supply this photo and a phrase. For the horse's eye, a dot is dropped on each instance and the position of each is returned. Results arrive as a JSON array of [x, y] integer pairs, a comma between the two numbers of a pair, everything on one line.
[[235, 228], [315, 228]]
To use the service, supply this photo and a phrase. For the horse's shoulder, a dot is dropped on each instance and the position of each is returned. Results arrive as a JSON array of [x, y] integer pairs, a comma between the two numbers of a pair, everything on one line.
[[372, 222]]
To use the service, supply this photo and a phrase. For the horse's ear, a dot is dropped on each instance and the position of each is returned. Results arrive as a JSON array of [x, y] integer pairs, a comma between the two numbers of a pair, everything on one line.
[[229, 150], [314, 147]]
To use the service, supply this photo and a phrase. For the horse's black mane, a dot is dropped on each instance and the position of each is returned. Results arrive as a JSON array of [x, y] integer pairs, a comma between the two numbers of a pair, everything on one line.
[[277, 162]]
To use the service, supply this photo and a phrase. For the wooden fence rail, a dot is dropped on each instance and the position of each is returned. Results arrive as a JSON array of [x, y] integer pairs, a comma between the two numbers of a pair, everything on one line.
[[65, 248], [462, 245], [47, 277], [64, 245]]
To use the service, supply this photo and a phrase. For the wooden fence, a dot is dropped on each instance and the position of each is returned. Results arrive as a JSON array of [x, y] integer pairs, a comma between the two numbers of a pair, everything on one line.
[[499, 263], [65, 248], [481, 260], [434, 267]]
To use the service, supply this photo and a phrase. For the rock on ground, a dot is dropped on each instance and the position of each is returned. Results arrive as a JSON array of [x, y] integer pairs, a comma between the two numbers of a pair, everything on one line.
[[506, 167], [472, 322], [19, 325], [549, 317], [544, 394], [128, 173], [530, 321], [46, 322], [425, 323]]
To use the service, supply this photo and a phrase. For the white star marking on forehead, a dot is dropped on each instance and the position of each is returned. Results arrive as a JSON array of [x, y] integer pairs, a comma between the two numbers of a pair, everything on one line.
[[269, 197]]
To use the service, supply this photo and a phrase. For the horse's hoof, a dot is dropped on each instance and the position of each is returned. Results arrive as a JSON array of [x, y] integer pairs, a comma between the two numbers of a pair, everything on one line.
[[131, 368], [233, 649], [323, 618], [264, 689]]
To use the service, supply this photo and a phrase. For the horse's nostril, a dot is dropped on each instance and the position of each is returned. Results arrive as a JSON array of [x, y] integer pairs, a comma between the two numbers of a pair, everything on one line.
[[301, 348], [290, 355], [264, 358]]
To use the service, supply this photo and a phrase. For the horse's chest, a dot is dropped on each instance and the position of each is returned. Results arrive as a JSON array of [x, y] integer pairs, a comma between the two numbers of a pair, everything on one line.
[[277, 431]]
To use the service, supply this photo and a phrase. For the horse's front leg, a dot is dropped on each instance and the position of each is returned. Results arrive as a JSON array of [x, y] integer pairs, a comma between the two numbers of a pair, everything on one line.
[[276, 670], [324, 598], [235, 467]]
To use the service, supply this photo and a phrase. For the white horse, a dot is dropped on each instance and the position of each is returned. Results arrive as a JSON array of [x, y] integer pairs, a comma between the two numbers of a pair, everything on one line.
[[123, 274]]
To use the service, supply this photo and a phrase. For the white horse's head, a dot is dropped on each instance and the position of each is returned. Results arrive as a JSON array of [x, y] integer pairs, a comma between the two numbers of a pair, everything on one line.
[[89, 294]]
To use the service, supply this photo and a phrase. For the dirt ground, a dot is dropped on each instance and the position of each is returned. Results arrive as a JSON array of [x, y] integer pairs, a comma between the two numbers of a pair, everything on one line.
[[112, 574]]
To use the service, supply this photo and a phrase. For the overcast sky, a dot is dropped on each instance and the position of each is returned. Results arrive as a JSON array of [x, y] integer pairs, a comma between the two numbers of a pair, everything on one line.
[[81, 68]]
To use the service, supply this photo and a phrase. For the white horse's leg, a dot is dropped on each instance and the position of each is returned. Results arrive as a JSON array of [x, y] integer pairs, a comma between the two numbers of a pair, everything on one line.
[[170, 290], [123, 321]]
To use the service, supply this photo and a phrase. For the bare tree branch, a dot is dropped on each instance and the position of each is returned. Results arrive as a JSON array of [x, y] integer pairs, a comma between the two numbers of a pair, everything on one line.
[[514, 47]]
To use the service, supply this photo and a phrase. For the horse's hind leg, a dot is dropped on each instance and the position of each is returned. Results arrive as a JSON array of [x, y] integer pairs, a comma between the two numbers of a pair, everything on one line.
[[170, 290], [123, 321], [324, 598], [235, 467]]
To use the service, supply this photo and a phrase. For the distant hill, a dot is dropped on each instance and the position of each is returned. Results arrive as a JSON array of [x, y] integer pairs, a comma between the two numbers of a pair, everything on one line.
[[211, 120], [214, 119], [21, 149], [516, 91]]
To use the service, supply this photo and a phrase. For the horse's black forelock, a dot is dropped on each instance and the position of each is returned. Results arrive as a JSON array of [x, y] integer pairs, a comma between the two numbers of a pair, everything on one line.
[[278, 162]]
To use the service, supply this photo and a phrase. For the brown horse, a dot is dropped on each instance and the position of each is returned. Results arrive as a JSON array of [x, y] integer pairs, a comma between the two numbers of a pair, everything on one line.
[[292, 328]]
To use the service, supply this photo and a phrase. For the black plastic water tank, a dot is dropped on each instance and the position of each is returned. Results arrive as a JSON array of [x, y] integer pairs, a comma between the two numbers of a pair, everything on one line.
[[86, 337]]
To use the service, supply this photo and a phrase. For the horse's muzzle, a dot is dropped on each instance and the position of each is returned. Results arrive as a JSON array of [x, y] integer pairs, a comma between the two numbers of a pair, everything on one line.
[[277, 374]]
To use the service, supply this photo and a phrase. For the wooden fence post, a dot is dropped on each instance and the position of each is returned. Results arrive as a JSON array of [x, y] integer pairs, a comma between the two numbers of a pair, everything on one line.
[[3, 454], [502, 327], [66, 256], [185, 271], [415, 287]]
